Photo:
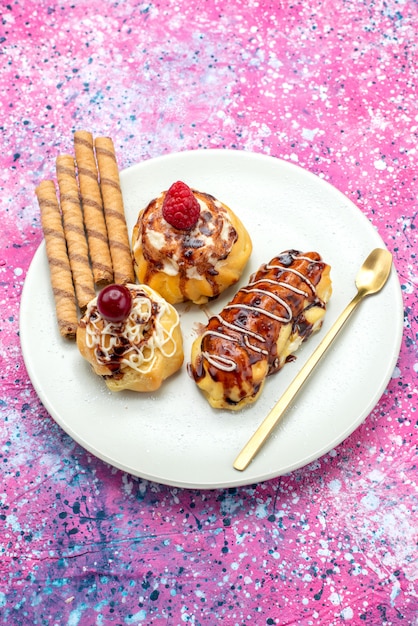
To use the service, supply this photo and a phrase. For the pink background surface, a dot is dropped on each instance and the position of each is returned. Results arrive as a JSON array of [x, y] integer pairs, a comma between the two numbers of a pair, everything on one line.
[[329, 85]]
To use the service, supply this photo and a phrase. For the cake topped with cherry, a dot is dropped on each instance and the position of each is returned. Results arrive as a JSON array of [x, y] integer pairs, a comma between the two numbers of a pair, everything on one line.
[[131, 337]]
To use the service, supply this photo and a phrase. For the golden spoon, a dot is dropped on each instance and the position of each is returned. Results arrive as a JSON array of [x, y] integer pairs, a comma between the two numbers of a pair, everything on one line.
[[370, 279]]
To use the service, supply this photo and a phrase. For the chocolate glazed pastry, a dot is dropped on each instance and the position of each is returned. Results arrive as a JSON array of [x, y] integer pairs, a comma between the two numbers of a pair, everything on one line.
[[260, 329]]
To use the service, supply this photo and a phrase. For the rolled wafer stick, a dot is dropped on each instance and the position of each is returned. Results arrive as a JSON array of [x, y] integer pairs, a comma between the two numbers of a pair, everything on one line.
[[91, 200], [74, 230], [59, 265], [114, 210]]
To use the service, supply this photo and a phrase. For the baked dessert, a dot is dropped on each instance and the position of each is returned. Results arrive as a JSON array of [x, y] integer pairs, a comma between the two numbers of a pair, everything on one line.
[[131, 337], [260, 329], [189, 246]]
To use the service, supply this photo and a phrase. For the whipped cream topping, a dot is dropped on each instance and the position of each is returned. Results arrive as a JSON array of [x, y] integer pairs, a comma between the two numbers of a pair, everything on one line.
[[136, 341], [194, 253]]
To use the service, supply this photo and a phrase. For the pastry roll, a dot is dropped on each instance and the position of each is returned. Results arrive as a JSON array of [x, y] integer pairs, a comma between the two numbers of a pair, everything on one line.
[[138, 353], [59, 263], [93, 211], [75, 235], [260, 329], [190, 265], [114, 211]]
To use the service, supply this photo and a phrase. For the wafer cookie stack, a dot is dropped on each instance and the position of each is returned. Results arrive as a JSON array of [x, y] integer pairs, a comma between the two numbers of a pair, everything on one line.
[[84, 227]]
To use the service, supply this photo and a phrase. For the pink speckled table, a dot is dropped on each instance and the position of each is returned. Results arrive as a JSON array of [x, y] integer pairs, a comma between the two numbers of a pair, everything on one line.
[[327, 84]]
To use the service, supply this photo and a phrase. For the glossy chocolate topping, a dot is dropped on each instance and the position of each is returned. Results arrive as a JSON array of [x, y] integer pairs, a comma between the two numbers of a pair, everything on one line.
[[247, 329], [188, 254]]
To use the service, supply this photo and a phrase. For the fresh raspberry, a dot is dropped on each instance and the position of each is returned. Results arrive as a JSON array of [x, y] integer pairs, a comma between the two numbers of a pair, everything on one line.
[[180, 207]]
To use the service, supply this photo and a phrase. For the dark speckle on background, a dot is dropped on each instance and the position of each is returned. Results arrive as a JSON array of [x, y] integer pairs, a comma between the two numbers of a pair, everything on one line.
[[328, 84]]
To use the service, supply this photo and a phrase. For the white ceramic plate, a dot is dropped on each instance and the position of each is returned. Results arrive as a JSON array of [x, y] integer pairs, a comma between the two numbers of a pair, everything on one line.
[[173, 436]]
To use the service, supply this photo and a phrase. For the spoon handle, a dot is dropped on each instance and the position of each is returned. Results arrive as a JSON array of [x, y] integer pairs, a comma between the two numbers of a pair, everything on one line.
[[271, 420]]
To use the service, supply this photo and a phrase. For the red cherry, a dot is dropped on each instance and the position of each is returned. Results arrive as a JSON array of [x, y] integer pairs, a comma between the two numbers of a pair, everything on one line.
[[114, 303]]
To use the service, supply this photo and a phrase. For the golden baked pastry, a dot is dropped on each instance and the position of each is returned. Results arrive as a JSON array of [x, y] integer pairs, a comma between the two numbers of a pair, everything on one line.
[[260, 329], [194, 263], [141, 351]]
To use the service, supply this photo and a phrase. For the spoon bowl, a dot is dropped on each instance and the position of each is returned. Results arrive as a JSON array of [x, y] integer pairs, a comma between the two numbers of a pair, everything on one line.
[[374, 272]]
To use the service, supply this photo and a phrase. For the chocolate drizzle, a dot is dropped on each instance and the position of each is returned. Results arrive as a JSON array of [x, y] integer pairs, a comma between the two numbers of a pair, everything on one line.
[[187, 254], [116, 343], [246, 332]]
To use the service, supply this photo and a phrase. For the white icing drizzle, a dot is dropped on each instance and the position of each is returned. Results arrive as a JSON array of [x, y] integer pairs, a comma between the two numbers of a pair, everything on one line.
[[228, 365], [274, 297], [277, 282], [255, 348], [293, 271], [239, 329], [221, 362], [213, 333], [139, 347]]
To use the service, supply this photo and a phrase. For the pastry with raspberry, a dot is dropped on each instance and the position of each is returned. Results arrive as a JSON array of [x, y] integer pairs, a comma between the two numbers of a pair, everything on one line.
[[189, 246]]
